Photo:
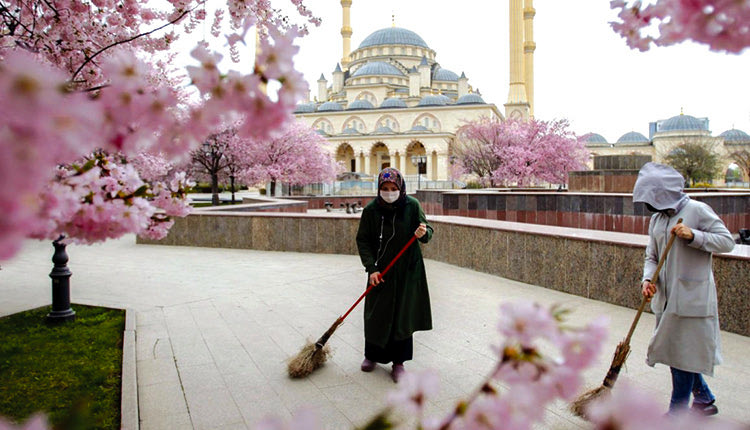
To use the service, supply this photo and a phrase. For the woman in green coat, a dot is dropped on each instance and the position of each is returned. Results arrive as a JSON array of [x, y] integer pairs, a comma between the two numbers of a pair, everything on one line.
[[400, 303]]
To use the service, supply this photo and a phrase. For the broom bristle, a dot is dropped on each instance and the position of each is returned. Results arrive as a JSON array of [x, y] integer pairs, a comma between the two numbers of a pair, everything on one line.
[[582, 403], [307, 360]]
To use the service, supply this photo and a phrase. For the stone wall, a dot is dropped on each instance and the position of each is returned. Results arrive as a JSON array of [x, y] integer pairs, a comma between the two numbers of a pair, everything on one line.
[[603, 266], [614, 212]]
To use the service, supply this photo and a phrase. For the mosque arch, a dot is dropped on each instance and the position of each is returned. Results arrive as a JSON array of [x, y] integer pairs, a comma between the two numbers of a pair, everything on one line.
[[380, 157], [369, 96], [354, 123], [324, 125], [388, 121], [415, 148], [345, 156], [428, 121]]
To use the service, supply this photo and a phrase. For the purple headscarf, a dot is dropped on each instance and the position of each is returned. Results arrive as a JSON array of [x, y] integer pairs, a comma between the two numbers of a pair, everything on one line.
[[389, 174]]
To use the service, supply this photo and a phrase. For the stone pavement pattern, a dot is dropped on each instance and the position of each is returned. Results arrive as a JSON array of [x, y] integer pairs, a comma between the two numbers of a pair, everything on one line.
[[215, 327]]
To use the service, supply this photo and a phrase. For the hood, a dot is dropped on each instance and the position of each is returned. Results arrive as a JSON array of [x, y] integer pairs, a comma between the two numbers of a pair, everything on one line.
[[660, 186]]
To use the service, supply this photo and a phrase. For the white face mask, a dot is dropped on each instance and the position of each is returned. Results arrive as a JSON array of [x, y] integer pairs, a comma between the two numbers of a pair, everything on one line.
[[390, 196]]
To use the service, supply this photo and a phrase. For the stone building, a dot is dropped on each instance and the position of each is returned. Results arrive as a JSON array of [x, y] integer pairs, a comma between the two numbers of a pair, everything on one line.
[[390, 102]]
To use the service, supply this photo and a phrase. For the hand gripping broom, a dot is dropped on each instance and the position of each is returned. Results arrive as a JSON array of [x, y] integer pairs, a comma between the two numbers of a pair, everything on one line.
[[623, 348], [312, 356]]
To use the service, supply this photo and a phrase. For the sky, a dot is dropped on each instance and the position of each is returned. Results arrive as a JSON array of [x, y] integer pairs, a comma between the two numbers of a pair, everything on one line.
[[584, 72]]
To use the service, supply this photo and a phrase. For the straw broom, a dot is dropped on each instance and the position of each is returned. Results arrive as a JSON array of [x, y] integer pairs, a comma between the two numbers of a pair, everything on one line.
[[314, 355], [623, 348]]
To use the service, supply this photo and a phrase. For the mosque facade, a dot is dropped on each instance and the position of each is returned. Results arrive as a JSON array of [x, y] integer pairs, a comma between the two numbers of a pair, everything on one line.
[[389, 102]]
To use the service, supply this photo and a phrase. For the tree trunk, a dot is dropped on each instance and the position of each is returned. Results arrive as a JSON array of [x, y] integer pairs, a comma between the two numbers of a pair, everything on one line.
[[214, 189], [231, 184], [273, 188]]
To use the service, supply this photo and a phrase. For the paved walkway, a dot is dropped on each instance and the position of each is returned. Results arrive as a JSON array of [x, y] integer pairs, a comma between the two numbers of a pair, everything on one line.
[[215, 326]]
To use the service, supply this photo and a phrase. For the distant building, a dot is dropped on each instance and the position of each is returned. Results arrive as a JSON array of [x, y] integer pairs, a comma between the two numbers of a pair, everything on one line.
[[666, 134]]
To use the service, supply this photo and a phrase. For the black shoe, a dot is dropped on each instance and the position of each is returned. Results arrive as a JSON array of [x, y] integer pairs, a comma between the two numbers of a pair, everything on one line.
[[705, 409]]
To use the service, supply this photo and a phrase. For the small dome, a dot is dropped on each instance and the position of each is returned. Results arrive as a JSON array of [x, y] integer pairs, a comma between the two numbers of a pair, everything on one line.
[[393, 36], [393, 102], [735, 135], [419, 128], [321, 132], [350, 130], [441, 74], [305, 108], [329, 106], [384, 130], [432, 100], [360, 104], [596, 138], [683, 123], [632, 137], [377, 68], [468, 99]]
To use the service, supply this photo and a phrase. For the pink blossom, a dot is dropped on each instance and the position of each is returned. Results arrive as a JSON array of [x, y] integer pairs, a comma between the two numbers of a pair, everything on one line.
[[413, 390], [523, 322], [723, 25]]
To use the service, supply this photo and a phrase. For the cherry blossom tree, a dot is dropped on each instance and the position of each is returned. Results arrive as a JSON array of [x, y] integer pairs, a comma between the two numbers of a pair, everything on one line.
[[296, 156], [519, 152], [723, 25], [217, 156], [78, 76]]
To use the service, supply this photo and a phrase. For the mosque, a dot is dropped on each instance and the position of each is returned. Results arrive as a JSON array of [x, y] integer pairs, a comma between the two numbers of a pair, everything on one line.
[[390, 102], [665, 135]]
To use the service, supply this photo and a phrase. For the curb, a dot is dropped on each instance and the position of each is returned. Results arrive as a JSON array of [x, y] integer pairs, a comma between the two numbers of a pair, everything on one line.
[[129, 403]]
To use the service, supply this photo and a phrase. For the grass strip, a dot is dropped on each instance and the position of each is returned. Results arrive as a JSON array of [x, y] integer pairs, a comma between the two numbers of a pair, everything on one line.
[[70, 371]]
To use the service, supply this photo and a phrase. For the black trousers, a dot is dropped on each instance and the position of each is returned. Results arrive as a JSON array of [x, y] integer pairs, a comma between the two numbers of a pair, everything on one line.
[[396, 351]]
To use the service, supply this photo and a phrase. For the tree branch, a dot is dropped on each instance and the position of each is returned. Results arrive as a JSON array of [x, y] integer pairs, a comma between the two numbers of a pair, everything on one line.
[[120, 42]]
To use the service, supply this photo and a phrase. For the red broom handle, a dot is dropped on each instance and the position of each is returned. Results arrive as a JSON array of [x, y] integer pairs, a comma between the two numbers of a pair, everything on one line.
[[387, 268]]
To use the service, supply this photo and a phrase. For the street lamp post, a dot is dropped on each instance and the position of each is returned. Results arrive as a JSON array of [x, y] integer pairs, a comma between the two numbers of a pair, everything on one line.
[[417, 160]]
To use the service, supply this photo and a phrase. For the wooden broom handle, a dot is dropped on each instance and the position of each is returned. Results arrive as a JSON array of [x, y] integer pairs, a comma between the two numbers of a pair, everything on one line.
[[654, 278]]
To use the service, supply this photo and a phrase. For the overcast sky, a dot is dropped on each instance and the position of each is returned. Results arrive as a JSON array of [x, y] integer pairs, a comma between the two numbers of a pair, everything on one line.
[[583, 71]]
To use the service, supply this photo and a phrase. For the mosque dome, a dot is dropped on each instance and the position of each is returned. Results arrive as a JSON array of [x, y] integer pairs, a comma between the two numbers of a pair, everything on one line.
[[305, 108], [632, 137], [596, 138], [360, 104], [683, 123], [735, 136], [419, 128], [329, 106], [393, 36], [393, 102], [434, 100], [350, 130], [377, 68], [468, 99], [383, 130], [441, 74]]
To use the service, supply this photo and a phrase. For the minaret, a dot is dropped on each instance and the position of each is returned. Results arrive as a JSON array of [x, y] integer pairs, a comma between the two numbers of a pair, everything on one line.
[[517, 105], [322, 89], [346, 33], [528, 52]]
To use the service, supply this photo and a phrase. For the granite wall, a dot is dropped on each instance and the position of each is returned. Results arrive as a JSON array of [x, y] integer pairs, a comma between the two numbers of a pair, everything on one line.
[[593, 211], [603, 266]]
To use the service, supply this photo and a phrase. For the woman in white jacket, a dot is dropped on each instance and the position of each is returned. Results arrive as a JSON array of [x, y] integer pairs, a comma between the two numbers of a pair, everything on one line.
[[686, 337]]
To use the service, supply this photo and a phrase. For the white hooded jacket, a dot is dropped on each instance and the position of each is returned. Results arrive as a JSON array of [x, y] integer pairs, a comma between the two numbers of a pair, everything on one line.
[[685, 304]]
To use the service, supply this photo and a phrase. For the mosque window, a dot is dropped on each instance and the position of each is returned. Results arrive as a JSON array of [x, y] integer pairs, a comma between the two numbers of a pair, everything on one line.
[[427, 122], [401, 50], [411, 51], [380, 51], [390, 50]]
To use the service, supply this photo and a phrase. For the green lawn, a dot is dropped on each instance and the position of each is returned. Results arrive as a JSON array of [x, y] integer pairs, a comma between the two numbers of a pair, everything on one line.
[[70, 371]]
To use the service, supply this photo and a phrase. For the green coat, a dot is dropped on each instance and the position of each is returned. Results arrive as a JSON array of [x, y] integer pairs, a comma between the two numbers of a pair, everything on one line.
[[402, 301]]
